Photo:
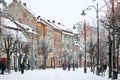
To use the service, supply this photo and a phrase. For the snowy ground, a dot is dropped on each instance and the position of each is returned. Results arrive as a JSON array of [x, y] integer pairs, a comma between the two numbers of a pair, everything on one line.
[[54, 74]]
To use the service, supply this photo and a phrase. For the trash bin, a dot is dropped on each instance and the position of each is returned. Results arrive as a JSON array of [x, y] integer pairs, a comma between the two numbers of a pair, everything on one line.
[[115, 75]]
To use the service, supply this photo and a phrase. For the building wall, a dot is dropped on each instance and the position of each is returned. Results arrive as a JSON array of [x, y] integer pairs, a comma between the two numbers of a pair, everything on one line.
[[67, 47], [21, 13], [57, 46], [50, 41]]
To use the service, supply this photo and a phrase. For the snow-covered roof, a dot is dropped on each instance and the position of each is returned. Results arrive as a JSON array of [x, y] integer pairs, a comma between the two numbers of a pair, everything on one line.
[[62, 27], [53, 25], [8, 22], [16, 34], [68, 33], [30, 11], [59, 27], [27, 28], [11, 23], [9, 27], [75, 31], [39, 19]]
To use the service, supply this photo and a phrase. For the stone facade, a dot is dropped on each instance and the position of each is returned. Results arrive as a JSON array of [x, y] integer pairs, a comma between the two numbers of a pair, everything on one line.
[[22, 14]]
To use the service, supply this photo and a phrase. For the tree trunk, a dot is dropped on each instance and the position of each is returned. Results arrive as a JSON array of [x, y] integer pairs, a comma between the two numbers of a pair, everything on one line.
[[91, 64], [80, 63], [8, 62], [44, 63], [110, 57], [19, 61], [51, 62]]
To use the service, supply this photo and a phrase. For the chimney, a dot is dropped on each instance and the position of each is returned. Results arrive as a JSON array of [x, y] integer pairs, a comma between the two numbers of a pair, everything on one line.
[[24, 4], [15, 1]]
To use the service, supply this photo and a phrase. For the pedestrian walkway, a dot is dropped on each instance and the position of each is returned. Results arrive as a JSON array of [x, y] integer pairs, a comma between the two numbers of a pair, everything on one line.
[[55, 74]]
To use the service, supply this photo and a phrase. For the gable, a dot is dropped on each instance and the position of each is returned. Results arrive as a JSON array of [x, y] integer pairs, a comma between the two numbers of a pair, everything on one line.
[[20, 13]]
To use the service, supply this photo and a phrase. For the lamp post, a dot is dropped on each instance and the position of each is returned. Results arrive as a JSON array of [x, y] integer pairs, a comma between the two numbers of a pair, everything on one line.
[[16, 51], [32, 67], [115, 74], [85, 64], [97, 10]]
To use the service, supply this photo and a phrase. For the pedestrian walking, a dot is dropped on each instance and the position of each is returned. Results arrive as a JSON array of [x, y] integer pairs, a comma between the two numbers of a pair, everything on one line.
[[63, 66], [104, 67], [94, 65], [69, 66], [3, 67], [73, 65], [22, 67]]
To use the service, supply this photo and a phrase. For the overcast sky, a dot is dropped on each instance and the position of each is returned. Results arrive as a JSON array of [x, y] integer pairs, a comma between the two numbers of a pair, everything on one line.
[[68, 12]]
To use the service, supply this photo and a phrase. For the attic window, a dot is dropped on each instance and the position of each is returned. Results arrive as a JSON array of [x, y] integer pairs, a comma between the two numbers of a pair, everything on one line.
[[48, 20], [20, 2], [53, 21], [27, 29], [59, 23], [41, 19]]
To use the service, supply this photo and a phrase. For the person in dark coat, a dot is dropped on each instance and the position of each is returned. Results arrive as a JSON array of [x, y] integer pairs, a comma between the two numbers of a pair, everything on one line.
[[73, 65], [63, 66], [104, 67], [3, 67], [22, 67], [69, 66]]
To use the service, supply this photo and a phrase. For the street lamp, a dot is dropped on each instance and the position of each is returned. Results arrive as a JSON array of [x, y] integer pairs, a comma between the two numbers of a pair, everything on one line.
[[85, 64], [97, 10], [16, 51]]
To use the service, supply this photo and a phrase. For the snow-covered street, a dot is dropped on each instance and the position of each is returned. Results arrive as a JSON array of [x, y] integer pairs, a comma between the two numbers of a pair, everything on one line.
[[54, 74]]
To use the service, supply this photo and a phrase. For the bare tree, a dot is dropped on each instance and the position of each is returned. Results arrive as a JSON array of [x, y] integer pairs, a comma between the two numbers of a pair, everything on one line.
[[113, 28], [7, 45], [92, 52], [45, 49], [22, 48], [80, 58], [64, 56]]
